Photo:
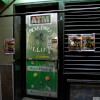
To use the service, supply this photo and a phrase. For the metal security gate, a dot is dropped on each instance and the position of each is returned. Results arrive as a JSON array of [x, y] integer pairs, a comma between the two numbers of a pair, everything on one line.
[[82, 18], [81, 67]]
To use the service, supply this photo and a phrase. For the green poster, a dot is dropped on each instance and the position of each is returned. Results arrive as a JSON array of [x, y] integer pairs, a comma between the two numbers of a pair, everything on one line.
[[41, 36], [41, 78]]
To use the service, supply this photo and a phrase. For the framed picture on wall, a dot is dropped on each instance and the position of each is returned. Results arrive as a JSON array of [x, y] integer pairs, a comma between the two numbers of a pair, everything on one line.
[[9, 46]]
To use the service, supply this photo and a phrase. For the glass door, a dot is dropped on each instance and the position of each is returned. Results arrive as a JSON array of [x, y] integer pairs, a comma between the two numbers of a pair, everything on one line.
[[42, 55]]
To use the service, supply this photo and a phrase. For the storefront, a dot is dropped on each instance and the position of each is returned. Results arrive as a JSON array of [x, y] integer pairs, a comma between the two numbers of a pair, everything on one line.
[[57, 49]]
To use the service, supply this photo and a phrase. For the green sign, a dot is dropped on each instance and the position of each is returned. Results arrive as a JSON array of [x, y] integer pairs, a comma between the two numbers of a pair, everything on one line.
[[7, 2], [41, 36], [41, 78]]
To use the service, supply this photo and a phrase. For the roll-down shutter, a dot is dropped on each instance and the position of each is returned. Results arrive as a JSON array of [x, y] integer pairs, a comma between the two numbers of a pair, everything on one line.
[[82, 18]]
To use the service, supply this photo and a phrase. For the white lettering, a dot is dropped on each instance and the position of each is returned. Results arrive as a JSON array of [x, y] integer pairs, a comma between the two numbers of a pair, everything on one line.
[[34, 20], [45, 19], [36, 28], [39, 49], [38, 19]]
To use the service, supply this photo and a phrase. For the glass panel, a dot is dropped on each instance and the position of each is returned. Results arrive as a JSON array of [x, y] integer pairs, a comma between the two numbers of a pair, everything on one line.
[[41, 78], [41, 43], [41, 36]]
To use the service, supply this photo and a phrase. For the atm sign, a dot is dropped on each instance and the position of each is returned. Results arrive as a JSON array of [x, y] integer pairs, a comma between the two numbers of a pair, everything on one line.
[[42, 19]]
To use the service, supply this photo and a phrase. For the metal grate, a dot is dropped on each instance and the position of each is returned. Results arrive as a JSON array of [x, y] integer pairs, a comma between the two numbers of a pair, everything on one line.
[[82, 18]]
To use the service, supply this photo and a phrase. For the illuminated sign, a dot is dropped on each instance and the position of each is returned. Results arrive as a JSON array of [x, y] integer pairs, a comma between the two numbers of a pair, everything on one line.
[[43, 19], [41, 36]]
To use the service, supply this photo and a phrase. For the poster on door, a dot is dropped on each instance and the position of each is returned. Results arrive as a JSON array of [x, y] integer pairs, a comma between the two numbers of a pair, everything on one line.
[[42, 36], [41, 78]]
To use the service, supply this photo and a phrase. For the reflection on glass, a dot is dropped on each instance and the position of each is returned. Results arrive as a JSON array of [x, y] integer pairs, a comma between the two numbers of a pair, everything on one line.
[[41, 36]]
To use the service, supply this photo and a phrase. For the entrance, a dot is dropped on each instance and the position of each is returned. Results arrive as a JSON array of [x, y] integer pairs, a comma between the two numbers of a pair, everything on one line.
[[36, 52]]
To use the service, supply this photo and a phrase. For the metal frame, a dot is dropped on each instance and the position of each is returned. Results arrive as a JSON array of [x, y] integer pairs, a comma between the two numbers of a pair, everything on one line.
[[38, 12], [78, 1], [60, 36]]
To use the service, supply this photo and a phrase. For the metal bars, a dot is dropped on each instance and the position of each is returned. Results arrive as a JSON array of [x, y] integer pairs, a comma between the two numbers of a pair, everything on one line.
[[37, 12], [82, 18]]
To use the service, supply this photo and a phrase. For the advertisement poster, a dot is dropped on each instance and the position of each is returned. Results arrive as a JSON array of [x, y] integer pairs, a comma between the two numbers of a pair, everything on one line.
[[88, 42], [9, 46], [81, 42], [41, 36], [41, 78], [74, 42]]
